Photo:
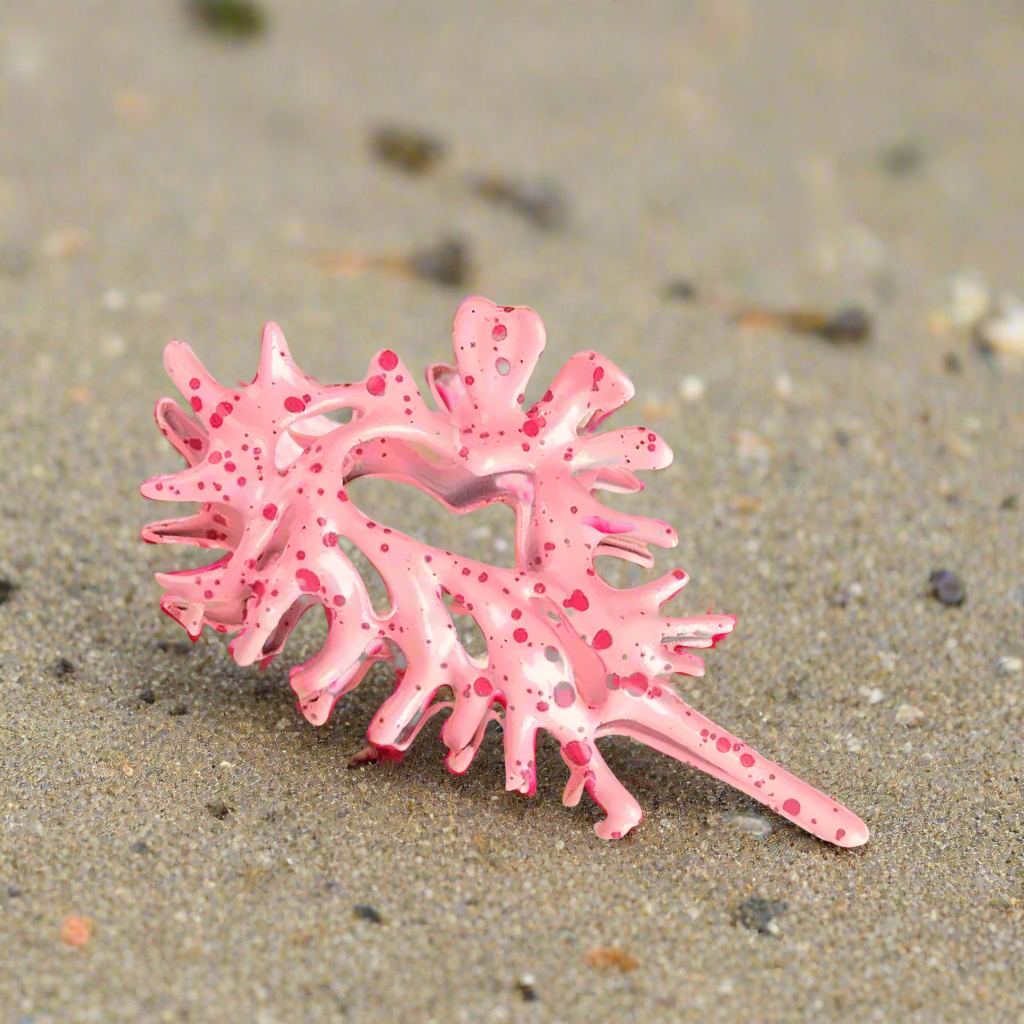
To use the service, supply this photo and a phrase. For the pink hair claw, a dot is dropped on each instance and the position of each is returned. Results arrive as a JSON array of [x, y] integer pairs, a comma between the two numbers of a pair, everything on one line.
[[566, 651]]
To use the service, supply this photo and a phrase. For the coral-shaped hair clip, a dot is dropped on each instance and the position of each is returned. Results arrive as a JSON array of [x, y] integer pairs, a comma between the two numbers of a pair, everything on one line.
[[566, 651]]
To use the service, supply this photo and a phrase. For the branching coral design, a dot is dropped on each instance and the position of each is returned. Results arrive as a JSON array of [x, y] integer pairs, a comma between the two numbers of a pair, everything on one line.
[[566, 651]]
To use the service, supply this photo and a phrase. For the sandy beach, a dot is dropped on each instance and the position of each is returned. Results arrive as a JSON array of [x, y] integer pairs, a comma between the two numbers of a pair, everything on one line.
[[178, 844]]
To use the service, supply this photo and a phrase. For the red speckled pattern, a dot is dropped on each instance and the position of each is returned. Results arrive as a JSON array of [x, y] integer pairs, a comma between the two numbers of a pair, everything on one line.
[[566, 651]]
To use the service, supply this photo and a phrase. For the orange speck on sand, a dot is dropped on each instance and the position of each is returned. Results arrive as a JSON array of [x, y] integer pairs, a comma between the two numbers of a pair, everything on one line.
[[612, 956], [76, 931]]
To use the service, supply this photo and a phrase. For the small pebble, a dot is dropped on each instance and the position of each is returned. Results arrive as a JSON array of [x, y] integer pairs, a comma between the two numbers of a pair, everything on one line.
[[679, 289], [525, 987], [13, 892], [969, 300], [784, 387], [607, 958], [902, 159], [367, 912], [759, 914], [147, 696], [177, 646], [540, 202], [7, 587], [63, 667], [1003, 334], [1010, 665], [178, 710], [872, 694], [947, 587], [141, 846], [951, 363], [908, 714], [76, 931], [115, 299], [238, 19], [1010, 503], [219, 809], [847, 325], [408, 149], [446, 262], [692, 388]]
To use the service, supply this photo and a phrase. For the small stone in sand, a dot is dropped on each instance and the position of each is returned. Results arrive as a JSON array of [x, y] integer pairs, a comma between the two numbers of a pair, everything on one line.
[[1010, 503], [969, 300], [115, 299], [872, 694], [141, 846], [951, 363], [525, 987], [692, 388], [178, 710], [908, 714], [147, 696], [238, 19], [850, 324], [76, 931], [219, 809], [947, 587], [607, 958], [367, 912], [1003, 334], [679, 289], [7, 587], [409, 149], [446, 262], [759, 914], [902, 159], [1010, 665], [540, 202], [63, 667]]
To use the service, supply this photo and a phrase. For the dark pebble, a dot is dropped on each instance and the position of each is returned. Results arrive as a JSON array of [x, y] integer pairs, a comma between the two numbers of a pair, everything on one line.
[[527, 991], [842, 437], [7, 587], [446, 262], [947, 587], [408, 149], [63, 667], [175, 646], [178, 710], [951, 363], [902, 159], [1010, 503], [680, 289], [366, 912], [14, 892], [847, 325], [239, 19], [141, 846], [539, 202], [218, 809], [147, 696], [758, 914]]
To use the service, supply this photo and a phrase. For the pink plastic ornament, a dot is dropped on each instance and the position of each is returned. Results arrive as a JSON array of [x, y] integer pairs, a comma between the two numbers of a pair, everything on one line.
[[566, 651]]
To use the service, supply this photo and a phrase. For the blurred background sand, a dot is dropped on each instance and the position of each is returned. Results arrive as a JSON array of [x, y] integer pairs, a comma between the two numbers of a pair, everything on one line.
[[160, 178]]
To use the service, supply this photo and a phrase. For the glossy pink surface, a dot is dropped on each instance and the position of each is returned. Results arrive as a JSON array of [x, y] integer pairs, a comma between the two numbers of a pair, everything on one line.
[[566, 652]]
